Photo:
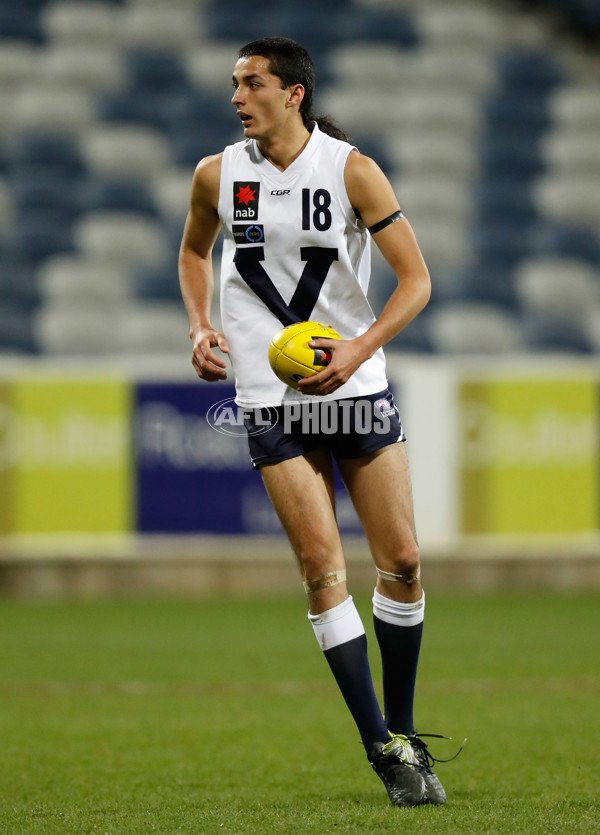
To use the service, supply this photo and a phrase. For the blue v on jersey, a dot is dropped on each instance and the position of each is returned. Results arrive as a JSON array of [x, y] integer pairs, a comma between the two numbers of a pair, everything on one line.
[[293, 250]]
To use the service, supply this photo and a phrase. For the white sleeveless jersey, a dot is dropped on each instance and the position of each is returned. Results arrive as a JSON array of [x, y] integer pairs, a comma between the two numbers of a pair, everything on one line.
[[293, 250]]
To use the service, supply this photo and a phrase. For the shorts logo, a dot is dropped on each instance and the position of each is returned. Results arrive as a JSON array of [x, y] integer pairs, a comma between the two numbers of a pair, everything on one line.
[[385, 407], [245, 200], [248, 233]]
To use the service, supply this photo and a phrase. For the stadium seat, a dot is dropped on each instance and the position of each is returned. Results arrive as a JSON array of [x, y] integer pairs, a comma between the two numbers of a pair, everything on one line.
[[530, 71], [591, 327], [80, 280], [449, 157], [431, 198], [464, 25], [564, 288], [118, 150], [209, 66], [503, 155], [52, 108], [364, 64], [361, 110], [80, 22], [16, 330], [380, 25], [37, 236], [576, 105], [571, 151], [170, 189], [6, 205], [155, 70], [190, 145], [76, 328], [546, 334], [455, 112], [498, 199], [20, 23], [486, 283], [443, 243], [566, 240], [18, 285], [520, 115], [585, 14], [160, 26], [468, 69], [501, 244], [414, 338], [199, 123], [17, 62], [377, 149], [101, 194], [231, 22], [474, 328], [131, 107], [89, 67], [46, 191], [568, 197], [124, 238], [38, 150], [200, 106], [151, 328], [8, 101], [159, 283]]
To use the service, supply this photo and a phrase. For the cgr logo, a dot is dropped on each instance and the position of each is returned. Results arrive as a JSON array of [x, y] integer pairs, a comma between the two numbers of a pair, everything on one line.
[[278, 192]]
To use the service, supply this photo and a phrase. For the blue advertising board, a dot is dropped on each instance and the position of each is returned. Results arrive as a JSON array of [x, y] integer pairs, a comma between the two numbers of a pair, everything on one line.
[[193, 471], [189, 476]]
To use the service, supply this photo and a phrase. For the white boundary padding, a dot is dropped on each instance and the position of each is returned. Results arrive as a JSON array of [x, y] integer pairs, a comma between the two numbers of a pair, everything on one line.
[[426, 395]]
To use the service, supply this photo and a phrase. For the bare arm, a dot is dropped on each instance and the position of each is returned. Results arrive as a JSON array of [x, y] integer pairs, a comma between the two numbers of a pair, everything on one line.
[[195, 269], [371, 194]]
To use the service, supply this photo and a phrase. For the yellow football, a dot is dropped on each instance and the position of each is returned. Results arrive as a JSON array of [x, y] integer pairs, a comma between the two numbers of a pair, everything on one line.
[[290, 357]]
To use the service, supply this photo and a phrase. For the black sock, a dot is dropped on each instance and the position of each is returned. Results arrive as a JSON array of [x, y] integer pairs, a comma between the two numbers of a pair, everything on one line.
[[341, 635], [399, 647], [399, 628], [349, 664]]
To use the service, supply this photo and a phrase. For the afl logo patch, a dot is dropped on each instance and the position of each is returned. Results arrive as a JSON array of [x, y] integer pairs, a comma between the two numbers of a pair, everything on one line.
[[385, 407], [245, 200], [248, 233]]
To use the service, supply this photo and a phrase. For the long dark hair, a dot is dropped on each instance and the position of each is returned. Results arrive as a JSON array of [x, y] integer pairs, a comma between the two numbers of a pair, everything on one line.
[[292, 64]]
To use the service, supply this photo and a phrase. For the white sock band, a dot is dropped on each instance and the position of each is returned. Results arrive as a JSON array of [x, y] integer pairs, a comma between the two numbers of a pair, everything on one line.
[[338, 625], [400, 614]]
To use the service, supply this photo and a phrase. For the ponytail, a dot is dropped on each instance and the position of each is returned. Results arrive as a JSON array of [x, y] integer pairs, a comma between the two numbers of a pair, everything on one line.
[[328, 126]]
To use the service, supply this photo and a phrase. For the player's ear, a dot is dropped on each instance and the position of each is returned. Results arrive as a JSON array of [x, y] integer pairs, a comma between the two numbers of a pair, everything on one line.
[[296, 95]]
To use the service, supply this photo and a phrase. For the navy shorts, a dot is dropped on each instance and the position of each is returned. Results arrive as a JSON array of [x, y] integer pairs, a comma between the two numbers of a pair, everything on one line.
[[348, 428]]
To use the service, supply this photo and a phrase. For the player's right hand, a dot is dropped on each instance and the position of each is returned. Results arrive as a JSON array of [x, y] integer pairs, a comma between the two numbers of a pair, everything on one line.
[[208, 365]]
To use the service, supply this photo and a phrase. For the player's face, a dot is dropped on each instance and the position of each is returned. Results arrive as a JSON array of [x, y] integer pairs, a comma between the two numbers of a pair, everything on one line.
[[258, 97]]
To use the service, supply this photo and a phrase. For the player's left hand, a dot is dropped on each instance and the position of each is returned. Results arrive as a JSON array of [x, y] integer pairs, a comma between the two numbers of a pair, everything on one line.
[[346, 357]]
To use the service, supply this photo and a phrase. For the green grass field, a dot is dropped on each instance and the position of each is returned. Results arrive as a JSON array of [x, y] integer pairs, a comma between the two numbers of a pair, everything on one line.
[[219, 716]]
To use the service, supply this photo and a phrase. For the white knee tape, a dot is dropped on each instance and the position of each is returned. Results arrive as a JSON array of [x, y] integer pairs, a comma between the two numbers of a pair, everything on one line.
[[325, 581], [399, 578]]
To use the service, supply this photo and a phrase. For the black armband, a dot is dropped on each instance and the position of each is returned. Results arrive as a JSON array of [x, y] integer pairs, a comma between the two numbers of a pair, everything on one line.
[[377, 227]]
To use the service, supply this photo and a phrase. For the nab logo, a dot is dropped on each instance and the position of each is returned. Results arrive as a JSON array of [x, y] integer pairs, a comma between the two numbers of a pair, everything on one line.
[[280, 191], [245, 200]]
